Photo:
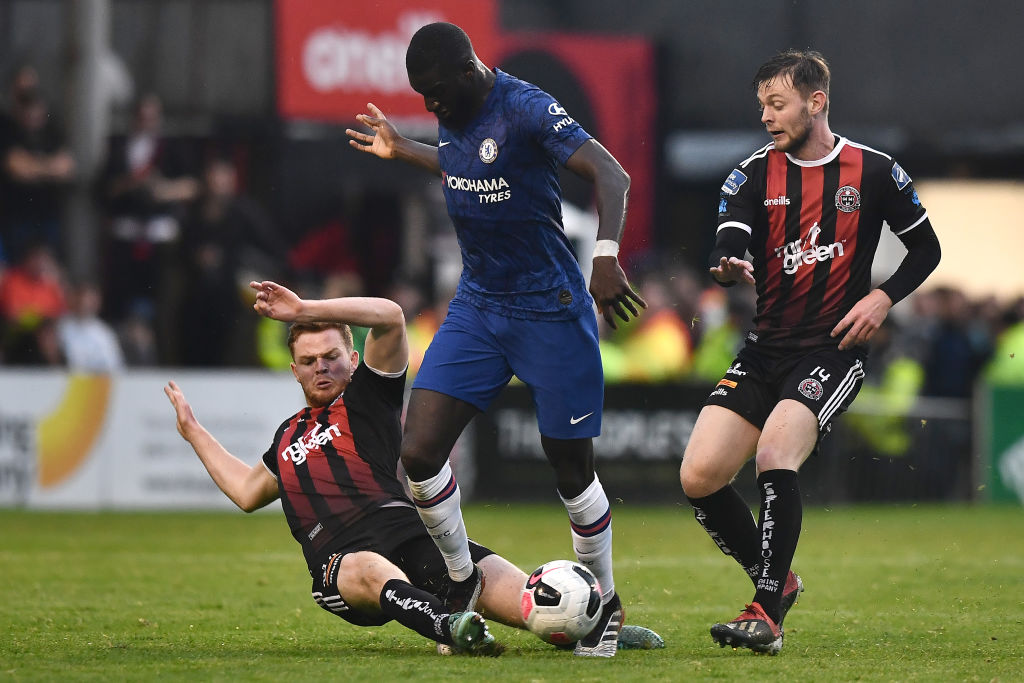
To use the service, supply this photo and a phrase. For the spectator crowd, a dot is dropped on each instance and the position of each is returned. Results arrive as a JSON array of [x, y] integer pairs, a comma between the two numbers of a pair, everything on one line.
[[180, 239]]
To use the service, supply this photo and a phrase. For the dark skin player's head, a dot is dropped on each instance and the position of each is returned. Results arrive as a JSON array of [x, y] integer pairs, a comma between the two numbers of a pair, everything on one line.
[[445, 70]]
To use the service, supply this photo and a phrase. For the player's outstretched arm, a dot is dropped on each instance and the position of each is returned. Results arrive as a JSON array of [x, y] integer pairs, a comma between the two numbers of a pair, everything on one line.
[[387, 348], [250, 488], [386, 142], [608, 283]]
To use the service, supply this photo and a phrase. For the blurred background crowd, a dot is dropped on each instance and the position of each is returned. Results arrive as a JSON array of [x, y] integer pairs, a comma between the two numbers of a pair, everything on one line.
[[181, 239], [157, 155], [186, 216]]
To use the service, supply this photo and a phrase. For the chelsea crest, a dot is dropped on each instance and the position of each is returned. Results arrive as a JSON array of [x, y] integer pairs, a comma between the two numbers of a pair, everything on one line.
[[488, 151]]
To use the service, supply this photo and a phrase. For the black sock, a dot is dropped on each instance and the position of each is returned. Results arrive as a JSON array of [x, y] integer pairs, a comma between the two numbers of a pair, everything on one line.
[[416, 609], [781, 516], [730, 524]]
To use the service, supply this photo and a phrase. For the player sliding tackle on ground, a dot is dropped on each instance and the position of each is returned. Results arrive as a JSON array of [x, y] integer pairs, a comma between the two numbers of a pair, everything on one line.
[[334, 466]]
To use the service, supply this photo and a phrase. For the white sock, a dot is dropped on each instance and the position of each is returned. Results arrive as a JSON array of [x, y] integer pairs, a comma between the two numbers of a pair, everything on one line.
[[591, 523], [439, 503]]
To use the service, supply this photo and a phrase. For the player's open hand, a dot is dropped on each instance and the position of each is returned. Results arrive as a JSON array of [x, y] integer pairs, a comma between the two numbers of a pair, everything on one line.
[[611, 291], [863, 320], [384, 140], [276, 301], [733, 269], [185, 417]]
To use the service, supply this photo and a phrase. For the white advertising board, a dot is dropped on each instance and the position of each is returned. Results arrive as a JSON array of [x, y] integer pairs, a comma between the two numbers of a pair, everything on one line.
[[97, 441]]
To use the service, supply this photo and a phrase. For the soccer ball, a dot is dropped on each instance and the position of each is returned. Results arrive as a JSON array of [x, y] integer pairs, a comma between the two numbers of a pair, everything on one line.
[[561, 602]]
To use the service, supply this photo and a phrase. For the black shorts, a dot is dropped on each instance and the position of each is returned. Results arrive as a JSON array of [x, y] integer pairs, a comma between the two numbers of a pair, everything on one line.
[[825, 380], [396, 533]]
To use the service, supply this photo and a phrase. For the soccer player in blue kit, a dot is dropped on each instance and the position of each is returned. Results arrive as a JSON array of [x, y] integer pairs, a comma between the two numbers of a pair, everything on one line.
[[522, 307]]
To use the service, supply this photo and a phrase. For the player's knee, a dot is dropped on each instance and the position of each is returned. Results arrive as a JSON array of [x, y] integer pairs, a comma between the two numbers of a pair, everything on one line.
[[698, 482], [357, 568], [573, 463], [572, 477], [694, 486], [773, 458], [362, 576], [420, 462]]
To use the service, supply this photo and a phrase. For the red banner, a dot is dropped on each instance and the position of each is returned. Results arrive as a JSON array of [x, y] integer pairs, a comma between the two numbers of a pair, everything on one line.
[[334, 56]]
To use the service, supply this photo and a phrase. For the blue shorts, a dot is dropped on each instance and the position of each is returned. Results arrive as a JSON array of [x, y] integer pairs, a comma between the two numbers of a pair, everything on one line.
[[475, 353]]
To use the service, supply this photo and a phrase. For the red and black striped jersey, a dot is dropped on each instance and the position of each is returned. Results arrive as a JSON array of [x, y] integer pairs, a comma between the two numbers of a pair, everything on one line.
[[336, 464], [813, 228]]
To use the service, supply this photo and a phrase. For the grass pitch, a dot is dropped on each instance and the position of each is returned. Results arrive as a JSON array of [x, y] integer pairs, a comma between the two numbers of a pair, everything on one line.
[[912, 593]]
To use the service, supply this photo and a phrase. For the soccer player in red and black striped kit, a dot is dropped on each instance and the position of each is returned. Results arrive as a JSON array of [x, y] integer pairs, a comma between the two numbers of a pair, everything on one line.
[[809, 207], [334, 467]]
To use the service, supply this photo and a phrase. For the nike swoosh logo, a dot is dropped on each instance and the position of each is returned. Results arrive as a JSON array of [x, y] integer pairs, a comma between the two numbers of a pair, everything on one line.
[[577, 420], [446, 142]]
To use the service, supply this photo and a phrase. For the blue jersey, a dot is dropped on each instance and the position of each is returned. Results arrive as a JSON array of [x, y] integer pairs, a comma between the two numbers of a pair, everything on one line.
[[500, 179]]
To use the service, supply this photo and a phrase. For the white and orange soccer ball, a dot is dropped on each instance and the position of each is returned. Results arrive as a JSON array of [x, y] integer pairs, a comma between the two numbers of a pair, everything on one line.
[[561, 602]]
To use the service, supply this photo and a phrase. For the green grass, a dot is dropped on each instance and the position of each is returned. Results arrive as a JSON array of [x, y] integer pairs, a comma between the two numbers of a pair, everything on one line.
[[922, 593]]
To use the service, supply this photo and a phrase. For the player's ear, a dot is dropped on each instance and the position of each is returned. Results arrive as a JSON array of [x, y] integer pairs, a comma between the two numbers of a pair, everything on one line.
[[294, 372], [355, 358], [817, 102]]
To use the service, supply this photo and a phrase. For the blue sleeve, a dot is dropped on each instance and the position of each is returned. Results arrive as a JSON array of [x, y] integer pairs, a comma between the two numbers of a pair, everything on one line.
[[545, 121]]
